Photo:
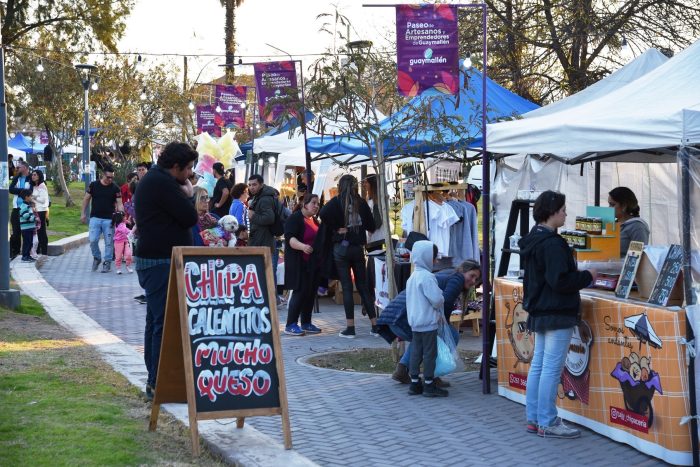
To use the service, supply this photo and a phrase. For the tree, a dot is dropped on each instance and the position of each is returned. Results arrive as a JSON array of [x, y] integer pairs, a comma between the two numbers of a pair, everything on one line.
[[352, 91], [75, 22], [547, 49], [230, 37]]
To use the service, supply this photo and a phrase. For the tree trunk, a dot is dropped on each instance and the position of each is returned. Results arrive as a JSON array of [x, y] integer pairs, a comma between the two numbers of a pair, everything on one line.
[[58, 160], [383, 199], [230, 38]]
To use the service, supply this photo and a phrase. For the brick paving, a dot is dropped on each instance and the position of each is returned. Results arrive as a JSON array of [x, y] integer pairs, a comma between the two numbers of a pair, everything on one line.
[[353, 419]]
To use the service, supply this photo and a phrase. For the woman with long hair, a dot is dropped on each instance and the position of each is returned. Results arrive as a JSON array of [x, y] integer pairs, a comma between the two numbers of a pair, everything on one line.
[[348, 216], [551, 298], [40, 195], [205, 219], [239, 209], [632, 227], [301, 265]]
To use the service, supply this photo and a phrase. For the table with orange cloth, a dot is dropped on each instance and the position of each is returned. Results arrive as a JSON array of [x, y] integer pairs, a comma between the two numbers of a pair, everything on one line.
[[625, 375]]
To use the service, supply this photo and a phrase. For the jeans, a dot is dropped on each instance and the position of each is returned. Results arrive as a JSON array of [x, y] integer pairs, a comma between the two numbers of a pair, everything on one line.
[[406, 357], [16, 236], [545, 374], [154, 281], [43, 247], [101, 227], [353, 259], [302, 301], [425, 350], [27, 239]]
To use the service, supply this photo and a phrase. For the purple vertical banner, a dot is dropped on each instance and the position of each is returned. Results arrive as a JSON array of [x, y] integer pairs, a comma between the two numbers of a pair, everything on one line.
[[207, 120], [43, 138], [427, 49], [275, 81], [231, 100]]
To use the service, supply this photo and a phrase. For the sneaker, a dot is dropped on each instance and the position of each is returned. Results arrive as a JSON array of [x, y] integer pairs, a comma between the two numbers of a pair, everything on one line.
[[374, 331], [140, 297], [142, 301], [349, 333], [119, 270], [28, 259], [558, 430], [106, 266], [294, 330], [416, 388], [129, 270], [322, 292], [400, 374], [310, 329], [432, 390], [95, 264], [149, 392], [442, 383], [531, 427]]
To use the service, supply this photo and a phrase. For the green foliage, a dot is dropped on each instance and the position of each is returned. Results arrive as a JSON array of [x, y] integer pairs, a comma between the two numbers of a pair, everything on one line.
[[29, 306], [65, 221]]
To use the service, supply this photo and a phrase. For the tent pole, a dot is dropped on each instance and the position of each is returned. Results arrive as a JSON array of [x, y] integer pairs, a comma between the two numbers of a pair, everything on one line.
[[596, 195], [684, 155], [485, 227]]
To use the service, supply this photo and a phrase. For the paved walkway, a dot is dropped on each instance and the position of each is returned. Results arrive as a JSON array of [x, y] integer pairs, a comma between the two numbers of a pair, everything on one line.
[[350, 419]]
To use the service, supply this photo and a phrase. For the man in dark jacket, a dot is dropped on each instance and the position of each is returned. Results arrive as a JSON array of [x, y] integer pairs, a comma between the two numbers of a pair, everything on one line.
[[261, 212], [165, 218]]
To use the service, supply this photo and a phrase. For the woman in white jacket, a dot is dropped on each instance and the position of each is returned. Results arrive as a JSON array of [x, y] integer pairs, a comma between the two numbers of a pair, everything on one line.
[[424, 308], [40, 195]]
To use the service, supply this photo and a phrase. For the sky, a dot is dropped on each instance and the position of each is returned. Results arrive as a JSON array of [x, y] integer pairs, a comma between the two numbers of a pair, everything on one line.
[[197, 27]]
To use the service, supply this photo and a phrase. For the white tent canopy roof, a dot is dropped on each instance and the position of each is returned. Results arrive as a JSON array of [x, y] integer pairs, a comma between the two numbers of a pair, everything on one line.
[[645, 116], [638, 67]]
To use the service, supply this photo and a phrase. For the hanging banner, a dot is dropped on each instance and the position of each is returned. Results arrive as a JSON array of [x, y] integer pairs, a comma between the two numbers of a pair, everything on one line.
[[43, 138], [231, 99], [276, 85], [207, 120], [427, 49]]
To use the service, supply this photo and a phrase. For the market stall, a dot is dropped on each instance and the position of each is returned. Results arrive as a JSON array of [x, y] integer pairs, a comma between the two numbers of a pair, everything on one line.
[[613, 129], [625, 373]]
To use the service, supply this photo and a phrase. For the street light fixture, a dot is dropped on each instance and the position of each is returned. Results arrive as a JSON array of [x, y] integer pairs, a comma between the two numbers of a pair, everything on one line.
[[88, 78]]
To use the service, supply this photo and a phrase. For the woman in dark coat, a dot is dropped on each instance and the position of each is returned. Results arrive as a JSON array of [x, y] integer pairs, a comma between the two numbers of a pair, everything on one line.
[[302, 265], [551, 298], [348, 216]]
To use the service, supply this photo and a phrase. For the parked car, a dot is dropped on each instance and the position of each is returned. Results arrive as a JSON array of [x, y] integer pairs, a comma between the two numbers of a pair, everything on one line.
[[475, 176]]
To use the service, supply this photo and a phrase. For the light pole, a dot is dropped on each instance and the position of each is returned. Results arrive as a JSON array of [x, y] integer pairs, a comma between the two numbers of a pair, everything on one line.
[[88, 80], [8, 298]]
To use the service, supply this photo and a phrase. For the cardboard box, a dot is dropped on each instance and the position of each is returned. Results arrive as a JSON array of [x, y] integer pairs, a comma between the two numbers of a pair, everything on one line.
[[646, 278]]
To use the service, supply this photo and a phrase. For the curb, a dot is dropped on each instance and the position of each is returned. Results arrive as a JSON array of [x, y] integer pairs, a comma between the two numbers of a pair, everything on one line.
[[64, 245], [240, 447]]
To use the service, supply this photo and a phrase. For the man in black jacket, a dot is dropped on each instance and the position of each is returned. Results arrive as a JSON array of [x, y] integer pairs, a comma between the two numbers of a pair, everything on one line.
[[21, 181], [165, 218]]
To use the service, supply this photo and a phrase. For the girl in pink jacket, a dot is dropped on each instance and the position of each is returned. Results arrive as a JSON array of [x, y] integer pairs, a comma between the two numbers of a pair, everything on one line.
[[122, 247]]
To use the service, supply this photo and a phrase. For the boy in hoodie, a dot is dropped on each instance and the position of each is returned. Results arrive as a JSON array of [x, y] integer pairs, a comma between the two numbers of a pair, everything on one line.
[[424, 307]]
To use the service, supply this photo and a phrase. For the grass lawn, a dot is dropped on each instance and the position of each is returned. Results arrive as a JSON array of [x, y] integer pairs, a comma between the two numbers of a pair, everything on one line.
[[62, 405], [63, 221]]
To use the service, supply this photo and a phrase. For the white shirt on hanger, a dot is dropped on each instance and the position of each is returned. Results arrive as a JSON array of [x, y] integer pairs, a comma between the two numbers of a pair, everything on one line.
[[440, 218]]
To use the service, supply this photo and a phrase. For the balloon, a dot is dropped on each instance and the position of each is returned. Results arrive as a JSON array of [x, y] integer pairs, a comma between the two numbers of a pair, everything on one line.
[[225, 150], [207, 181], [204, 165]]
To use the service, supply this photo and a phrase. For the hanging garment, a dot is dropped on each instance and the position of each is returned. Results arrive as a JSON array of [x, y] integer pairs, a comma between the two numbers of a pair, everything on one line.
[[464, 235]]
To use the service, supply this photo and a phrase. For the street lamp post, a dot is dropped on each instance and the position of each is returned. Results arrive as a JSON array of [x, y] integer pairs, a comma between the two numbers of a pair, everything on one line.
[[88, 80]]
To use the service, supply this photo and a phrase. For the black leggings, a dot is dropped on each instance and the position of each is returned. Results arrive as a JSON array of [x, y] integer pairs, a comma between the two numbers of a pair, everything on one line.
[[353, 258], [303, 299], [43, 247]]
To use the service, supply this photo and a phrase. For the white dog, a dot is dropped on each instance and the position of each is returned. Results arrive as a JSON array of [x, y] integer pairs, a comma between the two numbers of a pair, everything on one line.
[[230, 225]]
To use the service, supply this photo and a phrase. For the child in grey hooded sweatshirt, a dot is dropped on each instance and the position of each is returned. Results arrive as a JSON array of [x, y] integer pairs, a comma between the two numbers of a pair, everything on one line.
[[424, 306]]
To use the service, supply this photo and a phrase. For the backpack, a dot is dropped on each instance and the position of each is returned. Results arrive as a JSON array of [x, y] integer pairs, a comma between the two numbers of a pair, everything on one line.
[[281, 216]]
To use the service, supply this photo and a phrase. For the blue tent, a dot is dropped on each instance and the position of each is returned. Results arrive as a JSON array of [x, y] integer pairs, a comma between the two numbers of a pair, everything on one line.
[[23, 143], [402, 133]]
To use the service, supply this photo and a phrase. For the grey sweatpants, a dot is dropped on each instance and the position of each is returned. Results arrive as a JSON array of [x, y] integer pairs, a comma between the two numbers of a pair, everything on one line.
[[423, 348]]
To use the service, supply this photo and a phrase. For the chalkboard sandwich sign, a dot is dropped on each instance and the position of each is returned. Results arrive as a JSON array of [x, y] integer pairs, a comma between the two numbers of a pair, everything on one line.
[[221, 350]]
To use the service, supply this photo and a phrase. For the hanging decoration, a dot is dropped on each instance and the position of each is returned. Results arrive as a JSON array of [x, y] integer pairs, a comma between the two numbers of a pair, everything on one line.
[[427, 49], [276, 85], [231, 100]]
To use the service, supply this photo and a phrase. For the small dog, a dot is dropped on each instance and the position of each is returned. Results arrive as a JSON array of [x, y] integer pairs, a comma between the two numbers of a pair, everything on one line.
[[230, 225]]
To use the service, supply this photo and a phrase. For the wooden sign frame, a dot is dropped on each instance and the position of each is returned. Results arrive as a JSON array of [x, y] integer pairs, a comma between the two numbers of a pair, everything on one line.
[[629, 269], [175, 380]]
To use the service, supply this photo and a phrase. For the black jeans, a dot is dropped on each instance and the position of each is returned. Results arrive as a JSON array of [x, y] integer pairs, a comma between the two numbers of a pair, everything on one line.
[[302, 301], [423, 347], [353, 259], [27, 240], [43, 247], [154, 281], [16, 236]]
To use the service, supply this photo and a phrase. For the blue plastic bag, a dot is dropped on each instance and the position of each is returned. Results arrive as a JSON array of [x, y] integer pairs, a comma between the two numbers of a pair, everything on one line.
[[445, 362]]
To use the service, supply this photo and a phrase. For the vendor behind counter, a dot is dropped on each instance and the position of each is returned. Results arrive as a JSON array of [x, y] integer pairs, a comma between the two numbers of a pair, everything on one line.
[[632, 227]]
